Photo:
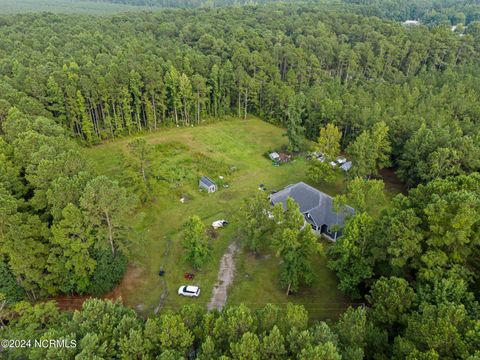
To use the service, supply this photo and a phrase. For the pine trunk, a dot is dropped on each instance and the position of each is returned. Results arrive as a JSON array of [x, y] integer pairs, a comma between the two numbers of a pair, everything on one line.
[[246, 104], [110, 232], [154, 113]]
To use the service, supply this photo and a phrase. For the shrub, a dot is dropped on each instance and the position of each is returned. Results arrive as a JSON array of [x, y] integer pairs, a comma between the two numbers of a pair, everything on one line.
[[9, 286], [108, 273]]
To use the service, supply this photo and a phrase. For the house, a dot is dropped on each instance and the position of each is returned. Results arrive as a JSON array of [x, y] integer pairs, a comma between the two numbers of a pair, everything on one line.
[[207, 184], [274, 156], [317, 207], [346, 166]]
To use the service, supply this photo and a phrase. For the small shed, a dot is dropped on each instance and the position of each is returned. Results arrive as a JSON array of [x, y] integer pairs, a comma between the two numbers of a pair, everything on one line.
[[346, 166], [274, 156], [207, 184]]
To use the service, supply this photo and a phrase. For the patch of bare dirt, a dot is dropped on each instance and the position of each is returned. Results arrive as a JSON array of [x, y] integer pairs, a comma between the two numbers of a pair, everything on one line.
[[225, 277], [127, 285], [392, 182]]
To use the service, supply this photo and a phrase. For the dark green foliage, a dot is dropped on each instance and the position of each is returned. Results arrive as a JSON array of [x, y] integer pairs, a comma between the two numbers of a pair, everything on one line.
[[295, 244], [321, 172], [195, 242], [418, 263], [9, 286], [351, 329], [107, 329], [350, 257], [108, 272], [392, 95], [54, 211], [256, 224], [356, 72]]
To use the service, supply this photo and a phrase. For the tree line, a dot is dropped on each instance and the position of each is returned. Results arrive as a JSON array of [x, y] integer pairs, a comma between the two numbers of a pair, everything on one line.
[[431, 12], [296, 65], [108, 330], [62, 227], [420, 257]]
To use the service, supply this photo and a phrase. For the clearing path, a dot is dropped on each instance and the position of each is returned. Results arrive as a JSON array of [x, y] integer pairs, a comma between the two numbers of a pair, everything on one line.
[[224, 279]]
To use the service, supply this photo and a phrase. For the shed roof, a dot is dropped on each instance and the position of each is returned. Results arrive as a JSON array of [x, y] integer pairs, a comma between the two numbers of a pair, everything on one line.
[[207, 181], [346, 166]]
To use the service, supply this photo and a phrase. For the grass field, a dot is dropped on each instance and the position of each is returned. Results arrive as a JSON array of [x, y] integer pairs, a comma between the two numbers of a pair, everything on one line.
[[181, 156]]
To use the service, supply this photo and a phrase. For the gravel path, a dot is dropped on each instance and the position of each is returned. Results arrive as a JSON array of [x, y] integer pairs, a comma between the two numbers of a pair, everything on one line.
[[224, 279]]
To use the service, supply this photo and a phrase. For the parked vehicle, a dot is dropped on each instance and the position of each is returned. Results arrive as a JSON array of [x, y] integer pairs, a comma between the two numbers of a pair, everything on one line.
[[219, 223], [341, 160], [189, 290]]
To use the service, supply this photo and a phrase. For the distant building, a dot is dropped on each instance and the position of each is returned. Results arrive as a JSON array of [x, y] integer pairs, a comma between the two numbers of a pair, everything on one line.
[[317, 207], [411, 23], [346, 166], [207, 184]]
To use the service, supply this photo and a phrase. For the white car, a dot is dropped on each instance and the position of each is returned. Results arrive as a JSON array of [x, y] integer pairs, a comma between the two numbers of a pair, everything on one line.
[[219, 223], [189, 290], [333, 163]]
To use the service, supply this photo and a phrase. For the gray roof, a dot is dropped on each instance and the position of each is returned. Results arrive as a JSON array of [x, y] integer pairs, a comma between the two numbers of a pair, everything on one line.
[[346, 166], [207, 181], [313, 202], [274, 155]]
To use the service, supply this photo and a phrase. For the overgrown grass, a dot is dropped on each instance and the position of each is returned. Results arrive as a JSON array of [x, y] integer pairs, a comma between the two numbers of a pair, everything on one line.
[[233, 149]]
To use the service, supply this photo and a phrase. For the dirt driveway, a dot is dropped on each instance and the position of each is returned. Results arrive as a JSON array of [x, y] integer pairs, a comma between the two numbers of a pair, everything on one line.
[[225, 277]]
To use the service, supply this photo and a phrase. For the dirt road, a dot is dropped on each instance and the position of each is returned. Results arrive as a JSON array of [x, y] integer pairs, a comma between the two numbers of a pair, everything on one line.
[[224, 279]]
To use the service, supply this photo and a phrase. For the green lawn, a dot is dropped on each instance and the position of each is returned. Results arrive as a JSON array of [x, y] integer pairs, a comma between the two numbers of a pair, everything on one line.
[[181, 156]]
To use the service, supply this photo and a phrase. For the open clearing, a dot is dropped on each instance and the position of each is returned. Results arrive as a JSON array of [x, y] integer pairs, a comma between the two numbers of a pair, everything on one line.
[[233, 149]]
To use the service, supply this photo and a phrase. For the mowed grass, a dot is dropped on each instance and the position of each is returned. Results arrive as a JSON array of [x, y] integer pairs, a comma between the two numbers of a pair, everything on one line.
[[156, 235]]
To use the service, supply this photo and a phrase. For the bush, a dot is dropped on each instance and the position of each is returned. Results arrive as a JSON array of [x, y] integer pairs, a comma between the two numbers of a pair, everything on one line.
[[108, 272], [9, 286]]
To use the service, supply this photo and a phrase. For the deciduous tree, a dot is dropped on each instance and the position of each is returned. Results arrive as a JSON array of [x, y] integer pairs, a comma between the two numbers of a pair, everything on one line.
[[195, 242]]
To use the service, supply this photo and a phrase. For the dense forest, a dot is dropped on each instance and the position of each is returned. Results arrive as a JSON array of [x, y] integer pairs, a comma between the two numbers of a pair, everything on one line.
[[431, 12], [109, 77], [61, 228], [388, 94]]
